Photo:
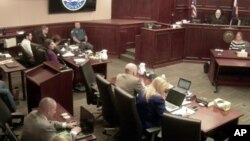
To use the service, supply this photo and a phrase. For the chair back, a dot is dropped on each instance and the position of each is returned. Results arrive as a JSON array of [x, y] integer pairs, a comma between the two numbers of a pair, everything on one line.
[[109, 107], [89, 81], [40, 54], [130, 124], [10, 134], [5, 114], [176, 128]]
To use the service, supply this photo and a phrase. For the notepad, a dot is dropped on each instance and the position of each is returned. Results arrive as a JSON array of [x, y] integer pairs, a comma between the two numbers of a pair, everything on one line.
[[11, 65]]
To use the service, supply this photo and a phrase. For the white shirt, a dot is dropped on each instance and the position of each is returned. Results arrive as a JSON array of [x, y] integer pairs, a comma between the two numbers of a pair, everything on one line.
[[26, 44]]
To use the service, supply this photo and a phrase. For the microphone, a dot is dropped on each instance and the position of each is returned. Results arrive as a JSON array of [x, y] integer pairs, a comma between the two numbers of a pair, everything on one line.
[[60, 57]]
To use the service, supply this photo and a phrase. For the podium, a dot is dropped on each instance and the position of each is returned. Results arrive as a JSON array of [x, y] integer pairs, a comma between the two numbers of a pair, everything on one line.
[[47, 80]]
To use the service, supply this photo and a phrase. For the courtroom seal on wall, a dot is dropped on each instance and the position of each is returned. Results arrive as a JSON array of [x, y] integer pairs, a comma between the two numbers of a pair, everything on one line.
[[228, 36], [73, 5]]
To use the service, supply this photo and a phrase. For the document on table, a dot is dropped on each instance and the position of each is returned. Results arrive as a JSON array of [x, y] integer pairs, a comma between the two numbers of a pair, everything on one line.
[[184, 111], [68, 54]]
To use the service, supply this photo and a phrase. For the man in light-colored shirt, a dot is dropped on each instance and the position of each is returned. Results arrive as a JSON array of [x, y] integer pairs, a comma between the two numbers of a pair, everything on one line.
[[39, 127], [79, 36], [26, 44]]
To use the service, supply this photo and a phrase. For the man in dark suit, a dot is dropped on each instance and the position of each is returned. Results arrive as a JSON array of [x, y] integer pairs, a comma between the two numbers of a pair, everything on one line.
[[128, 80], [38, 127]]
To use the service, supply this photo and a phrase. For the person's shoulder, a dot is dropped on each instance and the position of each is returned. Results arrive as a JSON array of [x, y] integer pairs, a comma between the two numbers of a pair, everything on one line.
[[157, 99]]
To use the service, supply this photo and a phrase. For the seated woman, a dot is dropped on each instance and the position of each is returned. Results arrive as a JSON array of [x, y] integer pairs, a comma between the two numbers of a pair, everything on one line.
[[238, 43], [50, 46], [151, 102], [218, 18]]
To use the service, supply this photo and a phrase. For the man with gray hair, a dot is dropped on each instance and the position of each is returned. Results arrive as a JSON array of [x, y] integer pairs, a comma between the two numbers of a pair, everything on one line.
[[128, 80], [38, 127]]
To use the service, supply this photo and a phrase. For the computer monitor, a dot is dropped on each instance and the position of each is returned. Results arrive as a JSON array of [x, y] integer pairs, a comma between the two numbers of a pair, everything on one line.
[[184, 84]]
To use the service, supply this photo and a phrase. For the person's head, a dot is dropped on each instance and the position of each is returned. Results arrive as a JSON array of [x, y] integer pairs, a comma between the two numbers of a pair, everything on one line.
[[218, 13], [60, 138], [131, 68], [77, 25], [45, 29], [238, 36], [28, 35], [57, 39], [159, 86], [47, 106], [49, 44]]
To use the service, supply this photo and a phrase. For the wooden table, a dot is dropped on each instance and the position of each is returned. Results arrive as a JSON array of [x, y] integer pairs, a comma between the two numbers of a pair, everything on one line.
[[228, 69], [17, 68], [98, 66], [214, 120]]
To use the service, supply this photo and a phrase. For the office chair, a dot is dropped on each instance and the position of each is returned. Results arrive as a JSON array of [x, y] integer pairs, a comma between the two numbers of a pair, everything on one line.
[[25, 60], [39, 54], [10, 134], [130, 124], [178, 128], [109, 107], [89, 80], [7, 117]]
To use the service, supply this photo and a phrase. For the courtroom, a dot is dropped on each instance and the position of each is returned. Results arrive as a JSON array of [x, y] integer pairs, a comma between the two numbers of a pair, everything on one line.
[[124, 70]]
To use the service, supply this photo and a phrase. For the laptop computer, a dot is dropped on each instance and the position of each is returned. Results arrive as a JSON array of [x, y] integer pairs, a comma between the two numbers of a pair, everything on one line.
[[174, 100], [183, 85]]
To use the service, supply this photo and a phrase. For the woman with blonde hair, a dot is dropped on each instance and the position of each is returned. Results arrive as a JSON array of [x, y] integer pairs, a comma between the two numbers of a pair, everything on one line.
[[151, 102]]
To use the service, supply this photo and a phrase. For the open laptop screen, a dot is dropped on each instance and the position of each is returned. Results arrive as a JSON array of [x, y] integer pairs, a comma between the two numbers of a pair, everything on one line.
[[184, 84], [175, 97]]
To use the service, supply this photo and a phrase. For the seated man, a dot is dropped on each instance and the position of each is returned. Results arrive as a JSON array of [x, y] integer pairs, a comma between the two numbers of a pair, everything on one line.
[[7, 97], [37, 124], [128, 80], [79, 36], [26, 45], [218, 18]]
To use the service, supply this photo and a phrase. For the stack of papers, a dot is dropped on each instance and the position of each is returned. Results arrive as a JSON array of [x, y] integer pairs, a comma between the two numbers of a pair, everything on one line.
[[6, 61], [79, 61], [184, 111], [73, 47], [68, 54]]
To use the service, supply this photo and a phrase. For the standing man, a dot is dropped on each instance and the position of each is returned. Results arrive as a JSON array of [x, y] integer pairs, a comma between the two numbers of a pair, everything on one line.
[[79, 36], [38, 127], [43, 35]]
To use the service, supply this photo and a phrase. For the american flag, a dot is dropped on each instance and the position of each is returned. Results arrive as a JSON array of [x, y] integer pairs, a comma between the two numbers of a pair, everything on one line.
[[235, 11], [194, 10]]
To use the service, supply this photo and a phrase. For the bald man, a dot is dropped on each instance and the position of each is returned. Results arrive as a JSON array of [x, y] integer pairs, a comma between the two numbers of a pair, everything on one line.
[[128, 80], [37, 127]]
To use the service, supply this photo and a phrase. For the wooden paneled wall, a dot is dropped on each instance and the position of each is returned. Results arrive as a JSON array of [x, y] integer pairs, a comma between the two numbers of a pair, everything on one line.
[[169, 11]]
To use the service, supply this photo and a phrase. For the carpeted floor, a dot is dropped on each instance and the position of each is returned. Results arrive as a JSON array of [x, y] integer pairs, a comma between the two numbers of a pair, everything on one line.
[[201, 86]]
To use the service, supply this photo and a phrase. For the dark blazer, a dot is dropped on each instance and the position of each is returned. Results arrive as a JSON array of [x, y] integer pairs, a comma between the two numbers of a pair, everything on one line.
[[221, 20], [150, 112]]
